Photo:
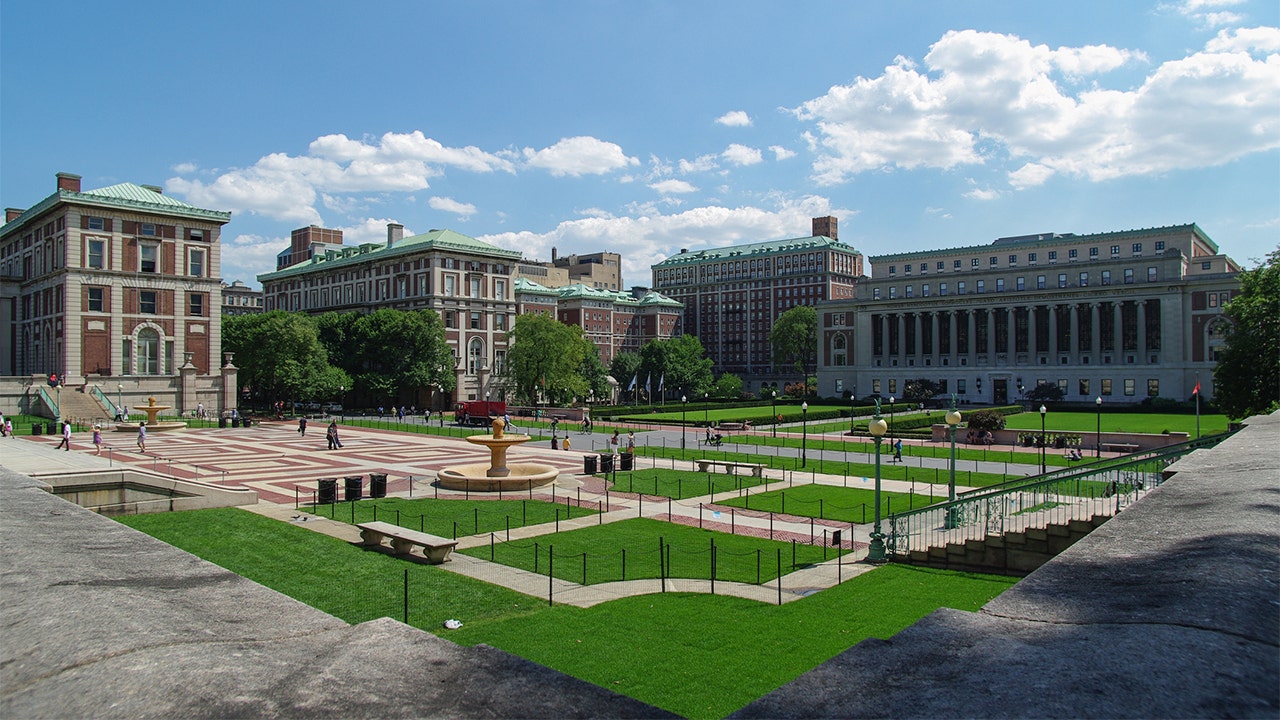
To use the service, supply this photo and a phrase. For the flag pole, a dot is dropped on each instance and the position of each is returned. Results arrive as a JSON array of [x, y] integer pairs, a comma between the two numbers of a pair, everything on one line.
[[1197, 406]]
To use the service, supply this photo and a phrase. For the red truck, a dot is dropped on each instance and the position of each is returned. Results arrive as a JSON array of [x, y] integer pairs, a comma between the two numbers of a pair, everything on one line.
[[478, 413]]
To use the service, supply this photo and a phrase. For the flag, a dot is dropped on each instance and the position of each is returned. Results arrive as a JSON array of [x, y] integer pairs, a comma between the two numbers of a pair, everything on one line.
[[1196, 391], [632, 386], [661, 377]]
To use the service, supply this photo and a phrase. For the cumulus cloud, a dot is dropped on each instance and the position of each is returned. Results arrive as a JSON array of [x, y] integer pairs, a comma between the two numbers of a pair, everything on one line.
[[1265, 39], [444, 204], [667, 187], [1208, 12], [781, 153], [650, 236], [577, 156], [742, 155], [703, 163], [245, 256], [986, 98], [287, 187], [185, 168], [735, 118], [982, 194]]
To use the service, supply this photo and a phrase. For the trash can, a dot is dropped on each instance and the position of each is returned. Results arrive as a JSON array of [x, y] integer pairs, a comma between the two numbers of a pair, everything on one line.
[[328, 492], [588, 464], [51, 428], [235, 422], [628, 462], [377, 485], [355, 487], [222, 422], [37, 429], [606, 462]]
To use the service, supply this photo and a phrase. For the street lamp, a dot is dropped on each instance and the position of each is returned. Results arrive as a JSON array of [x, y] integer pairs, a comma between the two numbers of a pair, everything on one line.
[[891, 401], [706, 400], [804, 434], [342, 403], [875, 552], [1097, 450], [953, 419], [1043, 410], [774, 395], [120, 402], [684, 406]]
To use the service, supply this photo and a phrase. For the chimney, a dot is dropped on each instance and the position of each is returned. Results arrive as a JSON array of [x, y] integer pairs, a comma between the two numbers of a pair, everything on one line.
[[553, 253], [68, 182], [11, 214], [825, 227], [395, 233], [155, 189]]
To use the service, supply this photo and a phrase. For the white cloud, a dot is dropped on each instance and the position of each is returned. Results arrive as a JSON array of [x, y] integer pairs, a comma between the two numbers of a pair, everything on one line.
[[987, 98], [781, 153], [1207, 12], [735, 118], [648, 236], [185, 168], [444, 204], [703, 163], [579, 156], [1266, 39], [246, 256], [982, 194], [742, 155], [667, 187], [1029, 175]]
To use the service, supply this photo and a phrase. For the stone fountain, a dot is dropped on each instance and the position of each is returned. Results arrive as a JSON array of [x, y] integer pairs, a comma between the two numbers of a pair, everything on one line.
[[497, 474], [152, 410]]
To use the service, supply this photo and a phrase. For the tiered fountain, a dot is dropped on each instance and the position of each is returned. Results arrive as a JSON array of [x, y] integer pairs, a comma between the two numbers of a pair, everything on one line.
[[497, 474], [152, 410]]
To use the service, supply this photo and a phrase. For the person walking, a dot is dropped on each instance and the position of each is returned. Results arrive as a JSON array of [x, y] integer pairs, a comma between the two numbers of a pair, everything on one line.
[[897, 450], [66, 437], [613, 442], [302, 426], [97, 438], [332, 435], [8, 426], [566, 442], [142, 436], [631, 441]]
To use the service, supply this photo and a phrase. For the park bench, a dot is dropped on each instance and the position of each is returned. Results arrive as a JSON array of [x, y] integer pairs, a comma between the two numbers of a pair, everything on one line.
[[1120, 447], [731, 426], [757, 469], [436, 549]]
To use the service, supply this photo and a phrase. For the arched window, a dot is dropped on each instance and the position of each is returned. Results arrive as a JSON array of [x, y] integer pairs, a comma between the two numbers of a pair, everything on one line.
[[475, 356], [148, 355], [839, 353]]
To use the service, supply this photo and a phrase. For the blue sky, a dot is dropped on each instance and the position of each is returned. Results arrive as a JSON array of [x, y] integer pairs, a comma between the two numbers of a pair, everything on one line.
[[645, 127]]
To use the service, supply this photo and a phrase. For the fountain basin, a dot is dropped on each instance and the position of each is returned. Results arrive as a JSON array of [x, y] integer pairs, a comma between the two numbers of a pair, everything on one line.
[[475, 477]]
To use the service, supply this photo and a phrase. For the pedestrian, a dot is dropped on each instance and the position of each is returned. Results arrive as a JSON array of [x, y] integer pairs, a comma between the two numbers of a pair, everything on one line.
[[631, 441], [400, 414], [613, 442], [426, 416], [332, 435], [555, 423], [97, 438], [566, 442], [200, 410], [897, 451], [66, 437], [142, 436], [4, 432], [302, 426], [506, 422], [8, 426]]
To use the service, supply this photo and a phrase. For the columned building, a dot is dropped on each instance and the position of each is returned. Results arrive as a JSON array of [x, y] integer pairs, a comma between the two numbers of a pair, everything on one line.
[[615, 321], [1123, 316], [733, 295]]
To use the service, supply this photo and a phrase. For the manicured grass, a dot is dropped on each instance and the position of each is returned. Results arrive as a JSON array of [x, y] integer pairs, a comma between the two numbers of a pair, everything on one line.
[[680, 484], [1087, 422], [452, 518], [629, 550], [699, 656], [830, 502]]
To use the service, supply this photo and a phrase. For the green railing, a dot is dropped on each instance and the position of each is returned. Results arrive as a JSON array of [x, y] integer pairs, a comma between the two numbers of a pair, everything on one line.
[[49, 402], [1102, 488], [96, 392]]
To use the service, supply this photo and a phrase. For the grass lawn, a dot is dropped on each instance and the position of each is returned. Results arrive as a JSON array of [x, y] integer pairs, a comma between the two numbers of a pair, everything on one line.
[[1087, 422], [700, 656], [829, 502], [451, 518], [681, 484], [629, 550]]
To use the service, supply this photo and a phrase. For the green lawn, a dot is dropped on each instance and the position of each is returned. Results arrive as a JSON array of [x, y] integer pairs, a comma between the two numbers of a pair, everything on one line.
[[830, 502], [1087, 422], [696, 655], [680, 484], [452, 518]]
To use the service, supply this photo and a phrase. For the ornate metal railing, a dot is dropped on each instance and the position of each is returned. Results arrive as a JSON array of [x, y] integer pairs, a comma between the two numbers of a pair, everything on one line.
[[1102, 488]]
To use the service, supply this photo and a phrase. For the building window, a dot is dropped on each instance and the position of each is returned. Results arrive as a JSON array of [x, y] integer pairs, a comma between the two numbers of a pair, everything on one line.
[[97, 253], [982, 286], [955, 265], [875, 387], [450, 285], [941, 265], [148, 352], [1130, 387], [1159, 246], [906, 269], [450, 319], [1031, 259], [1084, 387], [1040, 282], [1053, 256], [1072, 253], [475, 321], [893, 293], [500, 321], [1106, 277], [126, 353], [148, 229], [148, 255], [1062, 280], [909, 290], [1115, 251], [196, 305], [960, 287], [1137, 248], [147, 302], [1106, 386], [973, 263], [875, 293], [1013, 259], [1206, 265], [924, 290], [1152, 275], [993, 261], [1128, 276], [97, 223], [942, 288], [475, 356], [195, 262], [95, 299], [195, 235], [1153, 388], [924, 267], [999, 284], [1093, 253], [500, 289], [475, 287], [893, 270]]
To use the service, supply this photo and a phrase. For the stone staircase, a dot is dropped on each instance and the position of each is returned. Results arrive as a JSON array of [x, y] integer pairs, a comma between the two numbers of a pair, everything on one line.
[[80, 406], [1014, 553]]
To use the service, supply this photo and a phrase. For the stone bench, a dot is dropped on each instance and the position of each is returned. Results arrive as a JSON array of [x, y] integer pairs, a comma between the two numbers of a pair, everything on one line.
[[757, 469], [731, 426], [1120, 447], [434, 548]]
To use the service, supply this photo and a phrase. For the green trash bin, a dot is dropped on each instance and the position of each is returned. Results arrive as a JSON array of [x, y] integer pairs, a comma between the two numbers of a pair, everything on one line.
[[588, 464]]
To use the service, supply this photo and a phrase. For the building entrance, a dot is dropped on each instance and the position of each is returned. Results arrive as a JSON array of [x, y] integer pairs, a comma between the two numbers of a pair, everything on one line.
[[1000, 391]]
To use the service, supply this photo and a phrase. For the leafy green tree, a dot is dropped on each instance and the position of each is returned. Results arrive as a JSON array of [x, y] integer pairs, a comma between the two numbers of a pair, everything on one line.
[[390, 351], [984, 420], [920, 390], [794, 340], [547, 358], [728, 386], [594, 372], [680, 364], [280, 356], [624, 367], [1247, 378], [1045, 392]]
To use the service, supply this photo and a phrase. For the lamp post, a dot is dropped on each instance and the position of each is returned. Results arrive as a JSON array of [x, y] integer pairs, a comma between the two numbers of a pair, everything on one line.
[[1043, 410], [774, 395], [684, 406], [120, 402], [706, 418], [953, 419], [342, 403], [1097, 450], [875, 552], [853, 404], [891, 401], [804, 434]]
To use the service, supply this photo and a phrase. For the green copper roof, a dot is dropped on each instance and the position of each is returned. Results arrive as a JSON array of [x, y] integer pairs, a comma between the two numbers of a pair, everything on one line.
[[136, 194], [525, 285], [1050, 240], [124, 196], [443, 240], [655, 298], [735, 252]]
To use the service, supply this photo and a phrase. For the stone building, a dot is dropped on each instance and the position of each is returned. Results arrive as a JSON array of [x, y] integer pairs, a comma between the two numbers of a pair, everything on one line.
[[240, 299]]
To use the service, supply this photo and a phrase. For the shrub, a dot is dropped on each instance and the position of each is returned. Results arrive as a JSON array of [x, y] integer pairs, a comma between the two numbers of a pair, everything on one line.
[[985, 420]]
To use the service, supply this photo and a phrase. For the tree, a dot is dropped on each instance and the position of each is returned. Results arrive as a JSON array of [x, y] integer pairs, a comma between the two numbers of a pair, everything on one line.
[[390, 351], [679, 365], [794, 339], [547, 358], [280, 356], [984, 420], [624, 368], [728, 386], [1247, 377], [920, 390], [1045, 392]]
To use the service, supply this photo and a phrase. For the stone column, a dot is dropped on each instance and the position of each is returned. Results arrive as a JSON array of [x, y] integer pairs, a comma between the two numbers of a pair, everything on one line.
[[902, 339], [1053, 333], [934, 331], [1032, 350], [953, 331], [1095, 330], [229, 396], [884, 339], [973, 334], [187, 394], [917, 323], [1074, 348], [1117, 332], [1141, 318], [1011, 334], [991, 336]]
